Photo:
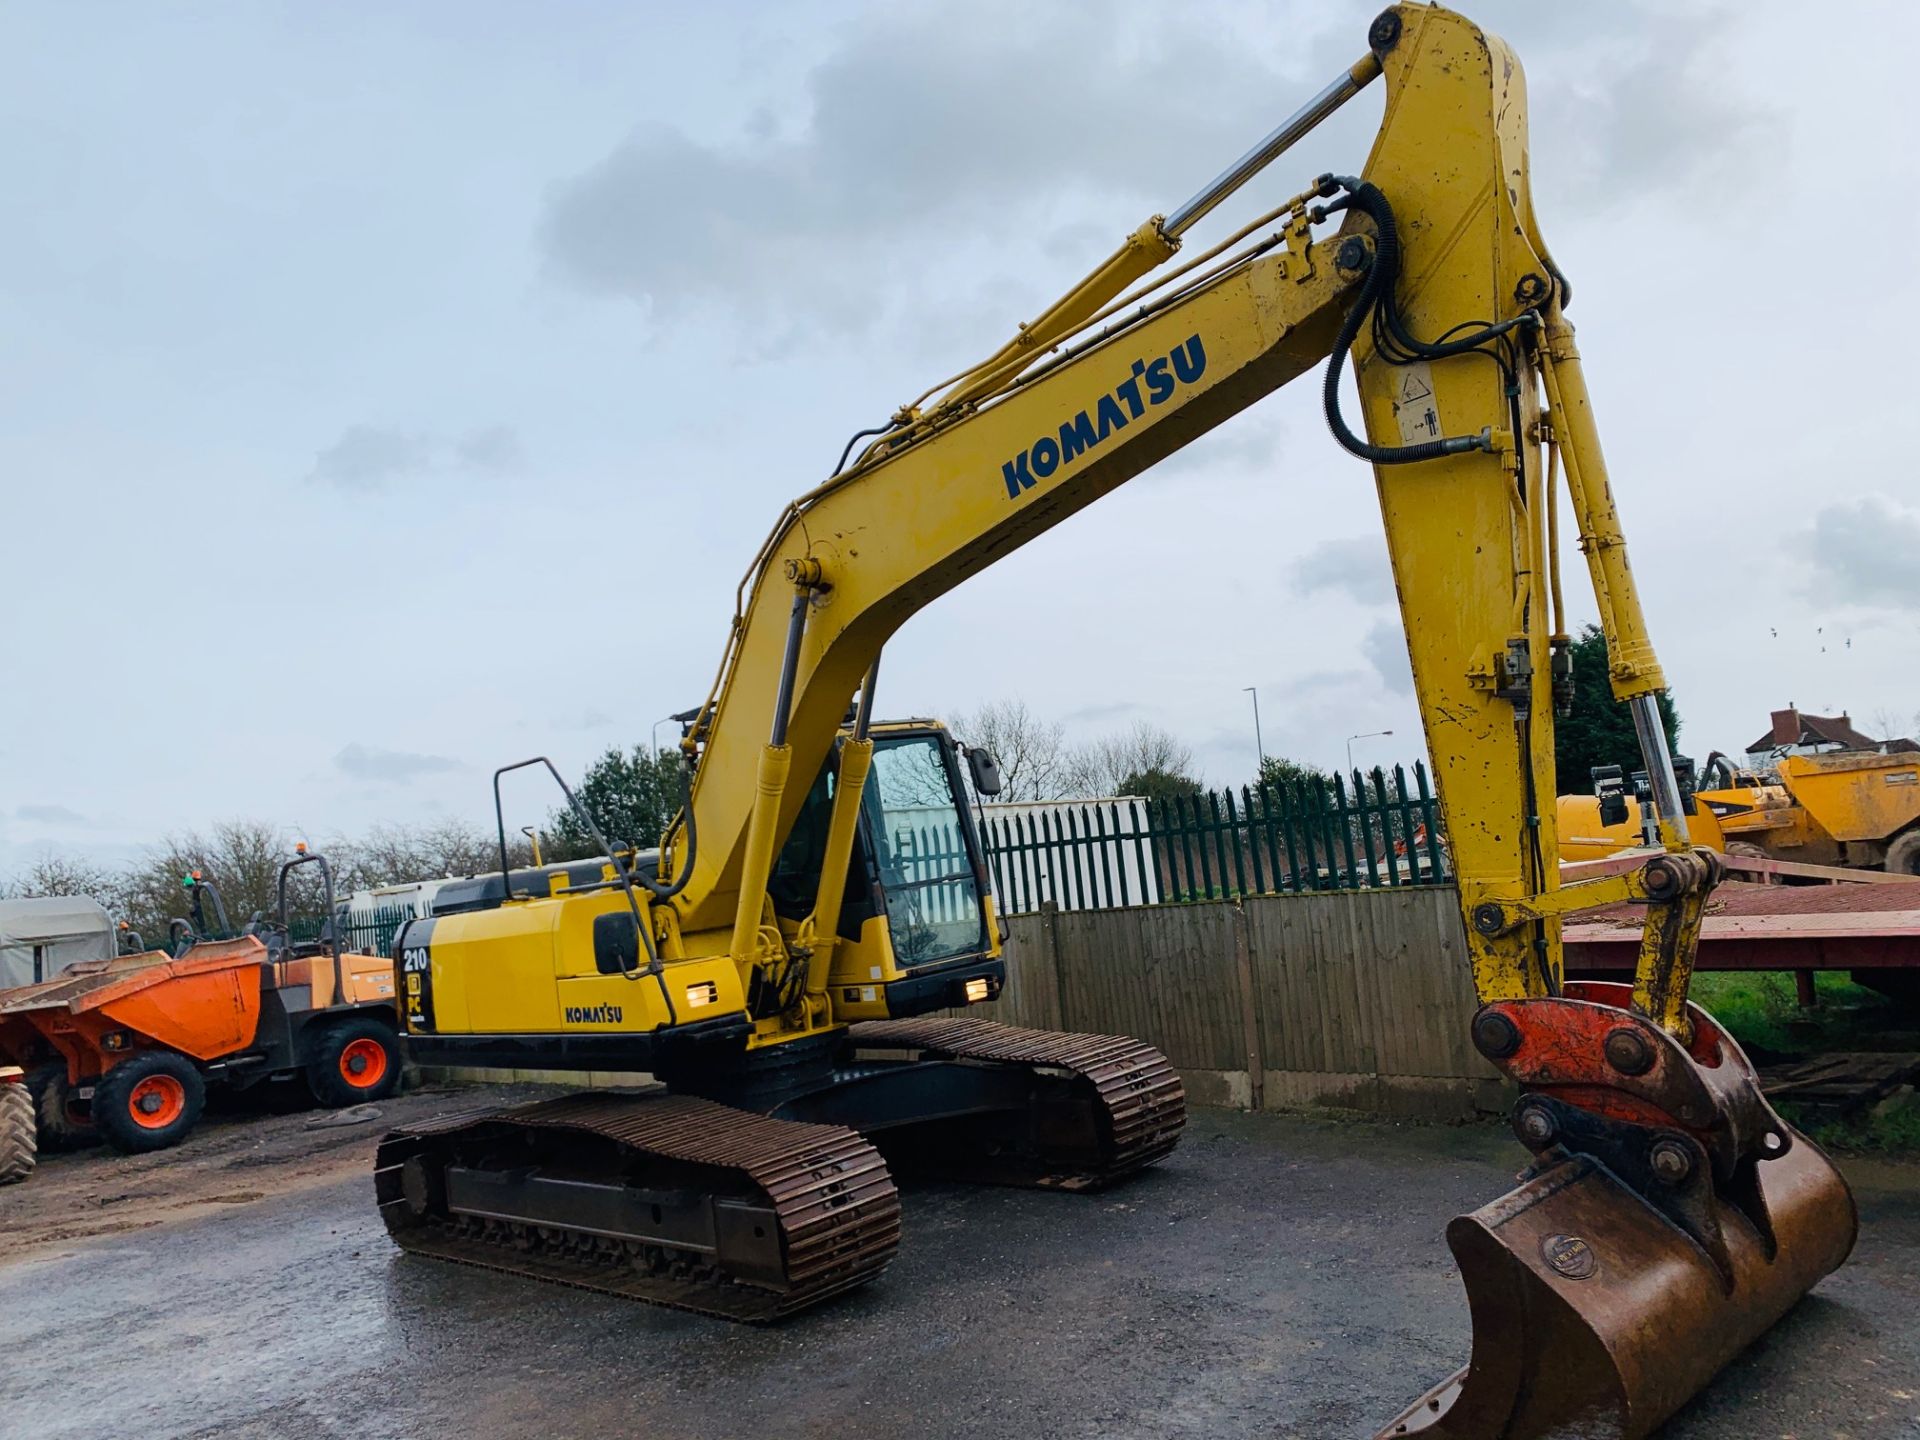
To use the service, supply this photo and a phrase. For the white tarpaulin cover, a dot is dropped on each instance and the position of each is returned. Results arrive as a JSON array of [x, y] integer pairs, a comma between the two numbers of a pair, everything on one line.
[[40, 938]]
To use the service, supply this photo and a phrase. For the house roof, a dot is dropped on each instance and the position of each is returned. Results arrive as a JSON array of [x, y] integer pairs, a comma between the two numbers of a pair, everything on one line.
[[1790, 727]]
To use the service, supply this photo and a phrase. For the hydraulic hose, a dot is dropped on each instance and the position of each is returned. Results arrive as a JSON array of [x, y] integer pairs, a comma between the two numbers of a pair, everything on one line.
[[1376, 295], [858, 436], [667, 892]]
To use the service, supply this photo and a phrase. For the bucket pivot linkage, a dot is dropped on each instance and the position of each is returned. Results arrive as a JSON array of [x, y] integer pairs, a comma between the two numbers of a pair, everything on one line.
[[1668, 1218]]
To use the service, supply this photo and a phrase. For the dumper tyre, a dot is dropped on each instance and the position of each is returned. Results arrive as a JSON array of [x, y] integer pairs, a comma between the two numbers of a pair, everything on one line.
[[149, 1102], [19, 1150], [1903, 855], [63, 1119], [354, 1061]]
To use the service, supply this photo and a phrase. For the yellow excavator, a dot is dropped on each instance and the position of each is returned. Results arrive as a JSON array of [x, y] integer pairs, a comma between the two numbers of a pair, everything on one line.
[[780, 961]]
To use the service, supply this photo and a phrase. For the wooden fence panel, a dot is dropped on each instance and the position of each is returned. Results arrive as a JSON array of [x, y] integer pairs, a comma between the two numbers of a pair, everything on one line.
[[1164, 974], [1031, 996], [1356, 1000], [1365, 999]]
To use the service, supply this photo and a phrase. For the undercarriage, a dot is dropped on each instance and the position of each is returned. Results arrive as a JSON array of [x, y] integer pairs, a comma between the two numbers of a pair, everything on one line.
[[752, 1192]]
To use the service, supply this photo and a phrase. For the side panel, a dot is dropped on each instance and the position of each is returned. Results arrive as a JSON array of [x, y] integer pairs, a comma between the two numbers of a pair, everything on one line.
[[369, 978], [861, 970], [533, 967]]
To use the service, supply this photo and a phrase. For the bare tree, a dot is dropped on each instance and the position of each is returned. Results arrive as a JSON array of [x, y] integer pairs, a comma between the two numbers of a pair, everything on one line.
[[1032, 752], [1116, 764], [241, 857], [399, 854], [54, 874], [1889, 728]]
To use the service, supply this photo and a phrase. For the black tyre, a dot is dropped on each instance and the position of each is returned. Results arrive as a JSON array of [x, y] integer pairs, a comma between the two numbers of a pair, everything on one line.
[[149, 1102], [1903, 856], [354, 1061], [19, 1150], [65, 1121]]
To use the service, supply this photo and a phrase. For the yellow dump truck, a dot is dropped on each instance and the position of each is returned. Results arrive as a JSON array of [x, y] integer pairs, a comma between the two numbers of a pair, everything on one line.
[[1857, 808]]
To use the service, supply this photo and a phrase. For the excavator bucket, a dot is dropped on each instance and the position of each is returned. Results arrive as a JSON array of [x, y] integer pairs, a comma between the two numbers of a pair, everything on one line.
[[1596, 1316]]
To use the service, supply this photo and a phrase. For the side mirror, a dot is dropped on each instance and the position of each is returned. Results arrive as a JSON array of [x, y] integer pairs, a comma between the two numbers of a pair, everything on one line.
[[985, 770]]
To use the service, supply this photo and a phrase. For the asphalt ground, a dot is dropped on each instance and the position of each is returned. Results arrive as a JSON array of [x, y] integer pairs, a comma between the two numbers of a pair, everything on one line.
[[1277, 1277]]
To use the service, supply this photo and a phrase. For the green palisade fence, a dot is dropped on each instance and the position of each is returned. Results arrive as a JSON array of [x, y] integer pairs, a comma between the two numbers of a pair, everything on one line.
[[370, 932], [932, 861], [1312, 835]]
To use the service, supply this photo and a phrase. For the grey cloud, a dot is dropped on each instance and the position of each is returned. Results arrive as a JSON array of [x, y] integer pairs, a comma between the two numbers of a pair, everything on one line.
[[907, 135], [1864, 551], [1107, 714], [1071, 244], [1357, 566], [366, 457], [366, 762], [1642, 104], [1385, 647], [50, 815], [495, 450], [1316, 685], [1666, 118], [371, 458], [1248, 442], [914, 121]]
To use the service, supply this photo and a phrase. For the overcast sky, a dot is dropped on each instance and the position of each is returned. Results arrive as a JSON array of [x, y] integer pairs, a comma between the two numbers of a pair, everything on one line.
[[389, 392]]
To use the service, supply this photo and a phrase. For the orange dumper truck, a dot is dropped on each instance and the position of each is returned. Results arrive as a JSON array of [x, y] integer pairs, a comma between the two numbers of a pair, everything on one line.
[[127, 1048]]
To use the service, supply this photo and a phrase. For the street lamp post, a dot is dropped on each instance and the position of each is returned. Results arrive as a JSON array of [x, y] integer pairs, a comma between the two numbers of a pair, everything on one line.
[[1259, 746], [656, 736], [1369, 735]]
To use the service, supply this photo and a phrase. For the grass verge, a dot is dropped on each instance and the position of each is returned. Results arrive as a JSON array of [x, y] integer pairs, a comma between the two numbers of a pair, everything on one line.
[[1764, 1015]]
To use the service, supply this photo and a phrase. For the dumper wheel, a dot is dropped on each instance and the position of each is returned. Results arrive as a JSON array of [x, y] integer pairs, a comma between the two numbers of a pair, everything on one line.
[[64, 1121], [149, 1102], [354, 1061], [18, 1147], [1903, 855]]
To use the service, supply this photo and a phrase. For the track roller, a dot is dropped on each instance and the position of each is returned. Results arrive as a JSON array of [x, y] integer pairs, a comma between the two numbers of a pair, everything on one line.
[[670, 1199]]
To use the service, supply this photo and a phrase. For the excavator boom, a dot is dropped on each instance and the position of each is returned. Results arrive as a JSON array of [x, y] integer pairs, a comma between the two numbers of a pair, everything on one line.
[[781, 935]]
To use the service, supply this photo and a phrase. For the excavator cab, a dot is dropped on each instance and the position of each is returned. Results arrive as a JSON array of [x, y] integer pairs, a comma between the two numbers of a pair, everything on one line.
[[916, 906]]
